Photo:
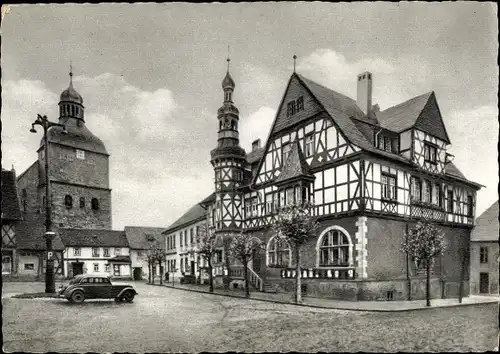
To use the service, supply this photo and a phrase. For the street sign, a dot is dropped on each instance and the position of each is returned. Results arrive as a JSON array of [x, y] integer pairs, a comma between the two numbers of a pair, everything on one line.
[[49, 255]]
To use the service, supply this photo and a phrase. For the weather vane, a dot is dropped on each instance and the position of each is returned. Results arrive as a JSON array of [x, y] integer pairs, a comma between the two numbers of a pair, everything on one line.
[[294, 59], [228, 60]]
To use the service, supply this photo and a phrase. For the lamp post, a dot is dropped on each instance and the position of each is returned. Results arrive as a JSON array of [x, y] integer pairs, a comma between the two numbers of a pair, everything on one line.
[[44, 122]]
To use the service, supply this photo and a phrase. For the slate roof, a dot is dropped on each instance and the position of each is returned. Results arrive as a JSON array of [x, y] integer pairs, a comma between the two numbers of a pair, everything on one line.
[[208, 199], [139, 237], [404, 115], [194, 214], [93, 238], [295, 165], [30, 235], [11, 207], [255, 156], [487, 227], [452, 170]]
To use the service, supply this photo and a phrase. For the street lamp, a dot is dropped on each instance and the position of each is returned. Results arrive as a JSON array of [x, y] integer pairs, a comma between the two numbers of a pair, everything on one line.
[[50, 286]]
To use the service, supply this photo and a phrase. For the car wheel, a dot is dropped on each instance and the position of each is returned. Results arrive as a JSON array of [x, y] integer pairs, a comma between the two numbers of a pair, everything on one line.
[[129, 296], [77, 297]]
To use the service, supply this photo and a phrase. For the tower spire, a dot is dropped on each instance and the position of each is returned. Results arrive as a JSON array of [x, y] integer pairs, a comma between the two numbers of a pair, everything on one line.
[[71, 72], [294, 59], [228, 59]]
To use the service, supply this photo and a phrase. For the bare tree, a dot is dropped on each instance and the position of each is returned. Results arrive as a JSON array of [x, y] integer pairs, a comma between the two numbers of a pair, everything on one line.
[[244, 248], [296, 224], [424, 243], [151, 258], [160, 257], [206, 248]]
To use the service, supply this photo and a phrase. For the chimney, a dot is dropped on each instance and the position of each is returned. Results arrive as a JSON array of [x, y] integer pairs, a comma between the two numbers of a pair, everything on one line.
[[256, 145], [364, 98]]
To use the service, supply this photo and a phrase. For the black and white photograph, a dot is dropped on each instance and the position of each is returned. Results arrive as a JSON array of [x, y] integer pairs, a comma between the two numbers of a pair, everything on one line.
[[186, 177]]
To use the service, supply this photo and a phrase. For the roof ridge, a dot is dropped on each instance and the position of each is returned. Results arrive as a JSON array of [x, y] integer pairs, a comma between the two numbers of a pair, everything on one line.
[[325, 87], [408, 100]]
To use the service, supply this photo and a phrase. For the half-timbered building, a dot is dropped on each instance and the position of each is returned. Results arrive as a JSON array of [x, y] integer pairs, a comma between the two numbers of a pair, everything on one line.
[[371, 175]]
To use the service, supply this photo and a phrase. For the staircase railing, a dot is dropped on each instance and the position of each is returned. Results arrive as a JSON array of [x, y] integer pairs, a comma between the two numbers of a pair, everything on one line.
[[255, 280]]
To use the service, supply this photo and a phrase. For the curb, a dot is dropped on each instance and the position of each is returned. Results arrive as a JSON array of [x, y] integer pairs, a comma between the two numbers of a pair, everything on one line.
[[324, 307]]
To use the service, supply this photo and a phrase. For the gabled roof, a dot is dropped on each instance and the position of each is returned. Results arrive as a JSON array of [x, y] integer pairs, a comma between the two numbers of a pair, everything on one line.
[[11, 208], [487, 227], [295, 165], [404, 115], [30, 235], [140, 237], [421, 112], [451, 170], [194, 214], [92, 238]]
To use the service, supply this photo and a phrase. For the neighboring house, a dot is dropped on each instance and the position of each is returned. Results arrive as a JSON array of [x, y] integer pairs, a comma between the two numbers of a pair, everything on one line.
[[11, 215], [140, 239], [371, 175], [180, 241], [96, 251], [484, 253]]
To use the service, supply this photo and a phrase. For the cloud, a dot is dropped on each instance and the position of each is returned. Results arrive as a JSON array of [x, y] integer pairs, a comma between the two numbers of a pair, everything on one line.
[[474, 138], [393, 82], [256, 126]]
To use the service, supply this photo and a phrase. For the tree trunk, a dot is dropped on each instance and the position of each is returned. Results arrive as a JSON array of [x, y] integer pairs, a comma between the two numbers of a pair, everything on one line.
[[245, 273], [149, 271], [152, 272], [428, 282], [298, 294], [161, 272], [210, 276], [462, 278]]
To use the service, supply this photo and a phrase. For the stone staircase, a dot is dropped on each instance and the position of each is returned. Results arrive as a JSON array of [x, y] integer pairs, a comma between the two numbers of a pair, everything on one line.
[[269, 288]]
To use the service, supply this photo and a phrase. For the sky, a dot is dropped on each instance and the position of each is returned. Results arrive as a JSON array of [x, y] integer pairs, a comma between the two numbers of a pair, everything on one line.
[[150, 76]]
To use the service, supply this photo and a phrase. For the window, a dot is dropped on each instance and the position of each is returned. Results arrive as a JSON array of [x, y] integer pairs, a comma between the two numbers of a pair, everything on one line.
[[82, 202], [68, 201], [185, 238], [76, 251], [450, 201], [181, 238], [278, 253], [309, 145], [334, 249], [96, 267], [483, 254], [29, 266], [291, 109], [227, 96], [116, 269], [269, 204], [80, 154], [106, 252], [218, 256], [107, 268], [118, 251], [95, 252], [285, 151], [470, 206], [430, 153], [439, 195], [384, 143], [389, 187], [95, 204], [416, 189], [290, 196], [251, 207], [139, 254], [300, 103], [426, 192]]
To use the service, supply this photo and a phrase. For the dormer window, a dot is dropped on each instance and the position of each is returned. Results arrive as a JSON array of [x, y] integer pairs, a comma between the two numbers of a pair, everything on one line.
[[80, 154], [384, 143], [430, 152]]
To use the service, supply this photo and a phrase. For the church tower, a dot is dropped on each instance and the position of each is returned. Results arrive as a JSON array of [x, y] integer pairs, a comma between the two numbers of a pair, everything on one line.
[[229, 162], [78, 169]]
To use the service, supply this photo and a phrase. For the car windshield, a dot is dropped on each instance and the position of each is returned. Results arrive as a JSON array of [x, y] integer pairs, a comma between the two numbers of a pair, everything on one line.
[[75, 280]]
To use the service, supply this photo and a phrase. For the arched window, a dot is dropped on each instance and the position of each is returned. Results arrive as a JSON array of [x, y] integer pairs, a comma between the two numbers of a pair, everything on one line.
[[95, 204], [334, 248], [232, 125], [82, 202], [68, 201], [279, 253]]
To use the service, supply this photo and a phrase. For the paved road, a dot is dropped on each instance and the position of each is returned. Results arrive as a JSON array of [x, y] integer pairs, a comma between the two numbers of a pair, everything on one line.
[[170, 320]]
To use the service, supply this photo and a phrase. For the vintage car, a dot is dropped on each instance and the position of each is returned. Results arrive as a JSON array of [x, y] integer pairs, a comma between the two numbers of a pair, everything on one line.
[[92, 286]]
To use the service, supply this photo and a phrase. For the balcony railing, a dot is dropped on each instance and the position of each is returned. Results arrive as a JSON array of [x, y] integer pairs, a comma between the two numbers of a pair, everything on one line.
[[334, 273], [238, 272]]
